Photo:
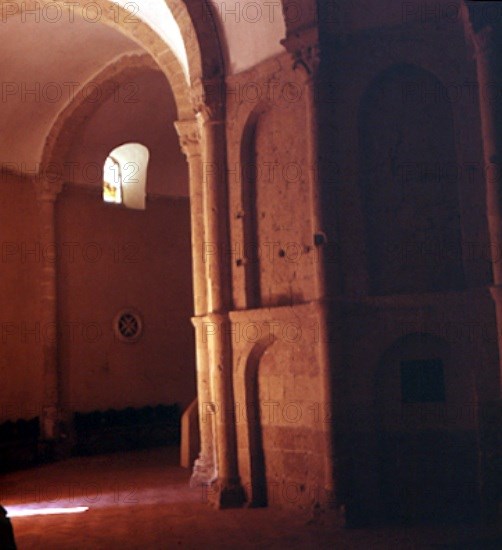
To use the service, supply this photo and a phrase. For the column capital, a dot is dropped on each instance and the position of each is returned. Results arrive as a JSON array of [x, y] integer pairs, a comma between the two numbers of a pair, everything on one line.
[[189, 136], [208, 99], [303, 45], [484, 26], [47, 189], [496, 293]]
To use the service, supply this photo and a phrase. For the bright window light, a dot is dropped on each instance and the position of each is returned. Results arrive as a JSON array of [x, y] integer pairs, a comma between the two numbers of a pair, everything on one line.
[[124, 176], [112, 181]]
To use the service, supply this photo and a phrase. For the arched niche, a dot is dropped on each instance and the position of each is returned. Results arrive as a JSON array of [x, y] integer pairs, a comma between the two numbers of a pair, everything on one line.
[[273, 173], [282, 456], [425, 417], [408, 180], [257, 472], [250, 174]]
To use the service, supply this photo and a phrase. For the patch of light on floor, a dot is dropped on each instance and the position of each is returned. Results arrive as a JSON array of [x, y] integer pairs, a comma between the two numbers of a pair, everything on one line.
[[122, 497], [19, 511]]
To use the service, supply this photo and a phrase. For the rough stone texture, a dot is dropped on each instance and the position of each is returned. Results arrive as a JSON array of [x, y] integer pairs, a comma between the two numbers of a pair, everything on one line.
[[279, 416]]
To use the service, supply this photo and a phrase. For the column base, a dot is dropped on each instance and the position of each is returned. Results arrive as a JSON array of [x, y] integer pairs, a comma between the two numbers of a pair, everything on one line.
[[228, 494], [203, 473]]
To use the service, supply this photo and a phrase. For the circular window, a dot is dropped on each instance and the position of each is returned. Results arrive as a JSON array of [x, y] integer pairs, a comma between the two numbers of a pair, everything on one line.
[[128, 326]]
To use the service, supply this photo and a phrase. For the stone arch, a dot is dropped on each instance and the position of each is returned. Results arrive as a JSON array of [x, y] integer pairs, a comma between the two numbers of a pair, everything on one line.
[[196, 21], [257, 473], [203, 140], [57, 143], [137, 30], [58, 149], [410, 202]]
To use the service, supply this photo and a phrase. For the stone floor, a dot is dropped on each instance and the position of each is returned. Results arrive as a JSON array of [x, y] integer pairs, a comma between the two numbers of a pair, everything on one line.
[[141, 500]]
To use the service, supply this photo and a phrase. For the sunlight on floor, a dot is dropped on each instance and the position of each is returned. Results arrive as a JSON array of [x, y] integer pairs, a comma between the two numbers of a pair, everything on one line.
[[20, 512]]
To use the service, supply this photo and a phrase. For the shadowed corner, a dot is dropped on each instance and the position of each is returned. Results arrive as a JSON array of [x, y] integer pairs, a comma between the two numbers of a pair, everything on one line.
[[7, 541]]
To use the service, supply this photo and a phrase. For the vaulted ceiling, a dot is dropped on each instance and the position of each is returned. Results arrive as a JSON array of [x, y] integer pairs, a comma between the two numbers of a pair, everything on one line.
[[47, 56]]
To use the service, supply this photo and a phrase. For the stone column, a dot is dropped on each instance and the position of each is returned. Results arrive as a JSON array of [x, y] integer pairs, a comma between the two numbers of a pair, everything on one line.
[[304, 47], [204, 471], [209, 99], [189, 135], [47, 191], [487, 39], [484, 27]]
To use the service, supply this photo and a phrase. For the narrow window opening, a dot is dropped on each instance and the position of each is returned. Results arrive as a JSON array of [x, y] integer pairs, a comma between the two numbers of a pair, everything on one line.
[[124, 176], [112, 181]]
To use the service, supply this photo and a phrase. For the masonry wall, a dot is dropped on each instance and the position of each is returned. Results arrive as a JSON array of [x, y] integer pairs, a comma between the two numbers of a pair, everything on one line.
[[408, 291], [416, 292], [22, 333], [124, 259], [144, 258], [277, 386]]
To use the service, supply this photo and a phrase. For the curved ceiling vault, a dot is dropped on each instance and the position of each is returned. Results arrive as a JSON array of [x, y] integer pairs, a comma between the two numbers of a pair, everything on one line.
[[45, 61], [43, 66], [251, 31]]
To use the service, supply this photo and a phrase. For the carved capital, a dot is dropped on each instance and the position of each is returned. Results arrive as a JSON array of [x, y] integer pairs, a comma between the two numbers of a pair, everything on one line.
[[48, 188], [189, 136], [208, 99], [304, 48]]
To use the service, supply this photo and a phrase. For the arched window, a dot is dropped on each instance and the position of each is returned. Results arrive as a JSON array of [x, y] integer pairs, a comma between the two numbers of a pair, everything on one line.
[[124, 176]]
